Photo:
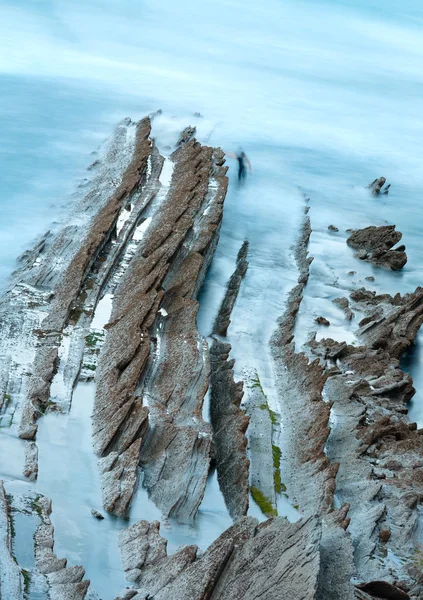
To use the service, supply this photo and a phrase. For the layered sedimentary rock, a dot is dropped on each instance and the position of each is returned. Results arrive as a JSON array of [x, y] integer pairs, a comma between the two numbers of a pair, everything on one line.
[[171, 366], [275, 559], [300, 386], [309, 474], [223, 318], [229, 422], [379, 451], [375, 245]]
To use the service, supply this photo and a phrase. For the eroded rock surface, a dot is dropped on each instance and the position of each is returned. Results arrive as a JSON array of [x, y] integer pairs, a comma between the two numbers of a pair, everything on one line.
[[223, 318], [375, 245], [229, 422], [275, 558]]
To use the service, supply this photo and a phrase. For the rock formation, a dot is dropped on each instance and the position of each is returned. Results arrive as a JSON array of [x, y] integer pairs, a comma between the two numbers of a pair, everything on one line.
[[228, 420], [374, 244], [377, 186], [223, 318], [110, 297], [275, 558]]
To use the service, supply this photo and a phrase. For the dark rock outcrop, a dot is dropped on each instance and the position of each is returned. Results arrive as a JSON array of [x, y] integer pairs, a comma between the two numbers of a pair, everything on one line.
[[223, 318], [228, 420], [229, 423], [377, 186], [374, 244], [322, 321], [153, 353]]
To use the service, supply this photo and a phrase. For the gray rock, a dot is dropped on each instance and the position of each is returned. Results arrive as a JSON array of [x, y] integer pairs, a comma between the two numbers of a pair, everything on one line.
[[229, 424]]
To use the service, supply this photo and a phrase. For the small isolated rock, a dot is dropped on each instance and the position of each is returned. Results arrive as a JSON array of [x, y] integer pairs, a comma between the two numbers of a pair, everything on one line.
[[370, 278], [322, 321], [97, 514], [351, 273], [376, 187], [333, 228], [198, 115], [384, 535]]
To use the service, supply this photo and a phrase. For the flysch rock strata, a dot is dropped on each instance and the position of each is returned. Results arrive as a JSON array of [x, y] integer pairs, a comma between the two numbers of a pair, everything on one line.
[[275, 559], [45, 576], [310, 476], [300, 387], [36, 309], [229, 422], [379, 451], [376, 245], [153, 359], [66, 260]]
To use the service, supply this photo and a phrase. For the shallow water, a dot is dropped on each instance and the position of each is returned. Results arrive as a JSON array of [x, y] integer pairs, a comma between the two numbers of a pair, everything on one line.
[[324, 96]]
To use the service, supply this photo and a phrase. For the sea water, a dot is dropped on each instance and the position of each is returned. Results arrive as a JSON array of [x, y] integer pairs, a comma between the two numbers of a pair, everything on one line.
[[323, 97]]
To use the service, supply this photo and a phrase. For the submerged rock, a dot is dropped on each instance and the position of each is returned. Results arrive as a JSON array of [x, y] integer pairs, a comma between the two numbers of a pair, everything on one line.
[[322, 321], [377, 186], [374, 244]]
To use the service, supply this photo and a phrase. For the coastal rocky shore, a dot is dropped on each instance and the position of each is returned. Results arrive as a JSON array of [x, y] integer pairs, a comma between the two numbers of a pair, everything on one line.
[[110, 298]]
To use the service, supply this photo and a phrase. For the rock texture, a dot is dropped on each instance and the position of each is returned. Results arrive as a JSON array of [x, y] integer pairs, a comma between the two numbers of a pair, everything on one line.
[[309, 474], [229, 423], [378, 186], [379, 451], [374, 244], [11, 580], [223, 318], [275, 558], [228, 420]]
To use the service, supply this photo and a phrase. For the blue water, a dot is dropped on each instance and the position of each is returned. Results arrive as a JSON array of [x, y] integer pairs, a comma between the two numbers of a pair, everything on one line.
[[325, 96]]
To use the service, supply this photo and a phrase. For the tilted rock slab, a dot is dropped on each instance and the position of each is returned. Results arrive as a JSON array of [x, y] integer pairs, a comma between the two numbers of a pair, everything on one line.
[[275, 559], [374, 244], [229, 422], [223, 318], [153, 354], [379, 451], [65, 583], [309, 474]]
